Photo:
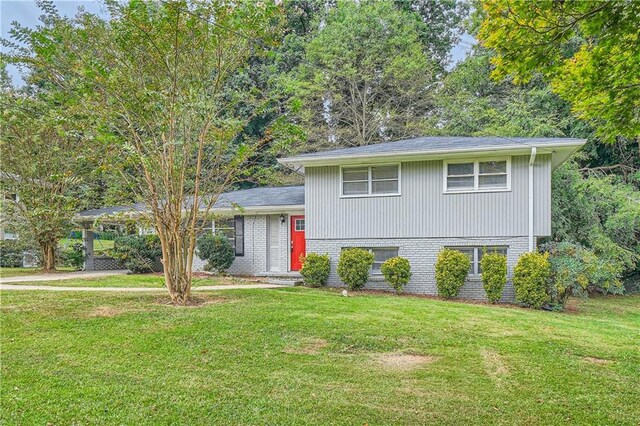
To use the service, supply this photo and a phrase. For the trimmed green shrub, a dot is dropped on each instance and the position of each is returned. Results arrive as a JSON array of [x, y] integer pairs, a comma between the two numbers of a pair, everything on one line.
[[138, 253], [72, 256], [452, 268], [217, 251], [397, 272], [354, 266], [315, 269], [530, 279], [494, 275]]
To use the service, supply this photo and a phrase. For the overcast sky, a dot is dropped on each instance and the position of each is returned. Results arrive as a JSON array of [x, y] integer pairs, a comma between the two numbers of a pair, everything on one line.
[[27, 13]]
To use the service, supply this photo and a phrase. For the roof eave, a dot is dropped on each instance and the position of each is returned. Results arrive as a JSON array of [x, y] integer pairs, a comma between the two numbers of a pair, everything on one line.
[[300, 162], [120, 217]]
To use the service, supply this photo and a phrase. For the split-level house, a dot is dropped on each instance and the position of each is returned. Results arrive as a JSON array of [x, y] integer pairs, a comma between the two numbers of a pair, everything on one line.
[[408, 198]]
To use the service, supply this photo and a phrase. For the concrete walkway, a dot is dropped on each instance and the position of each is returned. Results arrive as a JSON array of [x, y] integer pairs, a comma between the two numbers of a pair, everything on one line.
[[134, 289], [60, 276]]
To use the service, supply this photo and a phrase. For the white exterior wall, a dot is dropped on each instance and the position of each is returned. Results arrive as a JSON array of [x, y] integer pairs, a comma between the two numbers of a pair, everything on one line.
[[422, 254]]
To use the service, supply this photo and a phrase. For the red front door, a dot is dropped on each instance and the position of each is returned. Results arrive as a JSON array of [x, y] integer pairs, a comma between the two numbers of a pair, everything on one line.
[[298, 243]]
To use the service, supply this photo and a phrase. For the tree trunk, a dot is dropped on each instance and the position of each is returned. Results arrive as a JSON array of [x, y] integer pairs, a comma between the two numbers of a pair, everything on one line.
[[176, 262], [48, 250]]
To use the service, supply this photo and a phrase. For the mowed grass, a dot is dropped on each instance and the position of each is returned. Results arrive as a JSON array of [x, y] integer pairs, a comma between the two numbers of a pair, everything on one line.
[[134, 281], [304, 356], [19, 272], [98, 245]]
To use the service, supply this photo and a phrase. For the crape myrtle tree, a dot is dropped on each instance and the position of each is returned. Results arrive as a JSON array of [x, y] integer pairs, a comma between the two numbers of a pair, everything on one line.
[[166, 81], [44, 163]]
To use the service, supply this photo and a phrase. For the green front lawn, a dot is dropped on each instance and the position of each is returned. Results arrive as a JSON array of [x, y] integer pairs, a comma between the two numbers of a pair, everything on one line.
[[303, 356], [98, 245], [134, 280], [19, 272]]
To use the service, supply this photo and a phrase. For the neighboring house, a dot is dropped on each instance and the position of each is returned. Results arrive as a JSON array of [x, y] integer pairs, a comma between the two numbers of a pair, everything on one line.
[[407, 198]]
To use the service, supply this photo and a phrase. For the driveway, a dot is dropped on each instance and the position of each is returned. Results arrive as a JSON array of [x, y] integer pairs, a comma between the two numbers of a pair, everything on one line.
[[60, 276]]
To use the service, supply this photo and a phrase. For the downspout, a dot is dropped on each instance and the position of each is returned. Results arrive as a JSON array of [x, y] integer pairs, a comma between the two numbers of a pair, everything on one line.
[[532, 159]]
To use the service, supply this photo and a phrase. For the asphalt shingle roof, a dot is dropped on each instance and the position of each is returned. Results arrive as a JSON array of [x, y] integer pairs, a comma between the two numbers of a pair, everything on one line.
[[437, 143], [247, 198]]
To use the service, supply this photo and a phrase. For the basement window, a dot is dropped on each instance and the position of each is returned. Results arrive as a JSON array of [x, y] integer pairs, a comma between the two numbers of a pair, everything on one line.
[[475, 255], [380, 255]]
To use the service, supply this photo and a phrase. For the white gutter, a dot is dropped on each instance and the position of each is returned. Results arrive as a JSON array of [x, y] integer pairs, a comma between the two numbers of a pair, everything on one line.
[[532, 159]]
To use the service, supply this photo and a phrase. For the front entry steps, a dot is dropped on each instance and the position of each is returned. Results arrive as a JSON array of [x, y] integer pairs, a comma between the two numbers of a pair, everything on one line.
[[290, 279]]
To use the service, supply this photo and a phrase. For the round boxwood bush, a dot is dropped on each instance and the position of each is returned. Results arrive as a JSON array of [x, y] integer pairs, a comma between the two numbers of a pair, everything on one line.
[[397, 272], [452, 268], [217, 251], [354, 266], [530, 279], [315, 269], [494, 275]]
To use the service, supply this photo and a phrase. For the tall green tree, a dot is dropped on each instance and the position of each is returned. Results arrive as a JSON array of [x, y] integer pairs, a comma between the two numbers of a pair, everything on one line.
[[45, 160], [599, 212], [471, 103], [366, 77], [444, 24], [167, 83], [588, 50]]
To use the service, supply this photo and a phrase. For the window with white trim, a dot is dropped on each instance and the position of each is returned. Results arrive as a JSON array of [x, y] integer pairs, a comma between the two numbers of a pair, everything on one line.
[[380, 255], [475, 255], [479, 175], [371, 180]]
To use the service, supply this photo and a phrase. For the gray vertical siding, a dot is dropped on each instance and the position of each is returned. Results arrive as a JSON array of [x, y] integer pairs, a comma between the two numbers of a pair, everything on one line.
[[422, 210]]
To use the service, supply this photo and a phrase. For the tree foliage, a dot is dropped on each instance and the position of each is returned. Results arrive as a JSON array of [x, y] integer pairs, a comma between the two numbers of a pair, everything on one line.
[[472, 104], [366, 77], [444, 23], [45, 160], [589, 51], [167, 83], [599, 213]]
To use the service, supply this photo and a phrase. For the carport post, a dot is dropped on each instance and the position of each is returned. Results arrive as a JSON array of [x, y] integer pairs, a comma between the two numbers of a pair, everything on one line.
[[87, 245]]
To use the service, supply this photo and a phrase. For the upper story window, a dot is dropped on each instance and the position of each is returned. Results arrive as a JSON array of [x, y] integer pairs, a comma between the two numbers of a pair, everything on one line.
[[366, 181], [479, 175]]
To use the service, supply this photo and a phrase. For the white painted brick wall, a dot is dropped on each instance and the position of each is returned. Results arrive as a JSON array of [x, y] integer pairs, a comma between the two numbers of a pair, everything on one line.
[[254, 261], [422, 254]]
